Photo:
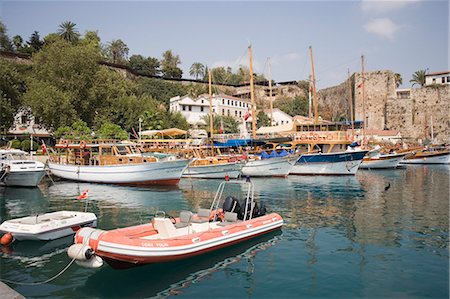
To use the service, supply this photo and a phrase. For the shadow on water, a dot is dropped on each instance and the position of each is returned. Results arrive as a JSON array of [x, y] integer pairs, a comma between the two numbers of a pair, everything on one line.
[[168, 279], [35, 253]]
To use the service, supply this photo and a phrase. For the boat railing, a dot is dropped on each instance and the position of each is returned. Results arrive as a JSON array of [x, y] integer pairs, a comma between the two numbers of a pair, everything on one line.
[[249, 199]]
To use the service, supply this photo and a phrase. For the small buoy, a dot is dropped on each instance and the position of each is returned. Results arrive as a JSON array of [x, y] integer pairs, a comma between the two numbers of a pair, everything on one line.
[[7, 239], [227, 177], [83, 195]]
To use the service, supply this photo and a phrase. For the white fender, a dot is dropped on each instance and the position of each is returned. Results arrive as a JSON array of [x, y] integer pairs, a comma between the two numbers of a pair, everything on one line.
[[93, 263], [80, 252]]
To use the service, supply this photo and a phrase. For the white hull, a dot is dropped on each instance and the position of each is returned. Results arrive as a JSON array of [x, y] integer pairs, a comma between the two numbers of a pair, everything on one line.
[[144, 173], [268, 167], [49, 226], [443, 159], [217, 171], [337, 168], [23, 178], [389, 161]]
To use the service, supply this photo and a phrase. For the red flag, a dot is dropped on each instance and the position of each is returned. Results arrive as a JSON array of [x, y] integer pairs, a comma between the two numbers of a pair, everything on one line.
[[247, 115], [221, 126], [83, 194], [44, 148]]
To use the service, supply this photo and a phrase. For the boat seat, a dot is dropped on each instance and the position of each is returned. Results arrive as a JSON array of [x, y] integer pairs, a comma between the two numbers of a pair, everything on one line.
[[202, 216], [185, 219], [229, 218]]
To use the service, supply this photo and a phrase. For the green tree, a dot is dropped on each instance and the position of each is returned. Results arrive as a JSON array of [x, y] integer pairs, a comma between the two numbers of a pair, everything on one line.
[[197, 70], [5, 42], [35, 42], [77, 131], [117, 51], [169, 65], [63, 72], [262, 120], [111, 131], [17, 42], [177, 120], [11, 89], [418, 78], [293, 107], [92, 38], [68, 32], [160, 90], [398, 80], [230, 124], [147, 66]]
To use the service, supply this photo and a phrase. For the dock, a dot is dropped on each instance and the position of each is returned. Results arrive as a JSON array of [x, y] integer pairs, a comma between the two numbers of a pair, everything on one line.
[[7, 292]]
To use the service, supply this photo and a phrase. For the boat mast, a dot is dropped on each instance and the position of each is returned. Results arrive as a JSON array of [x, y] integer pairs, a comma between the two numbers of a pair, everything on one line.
[[363, 99], [270, 94], [316, 106], [252, 94], [350, 99], [309, 97], [211, 127]]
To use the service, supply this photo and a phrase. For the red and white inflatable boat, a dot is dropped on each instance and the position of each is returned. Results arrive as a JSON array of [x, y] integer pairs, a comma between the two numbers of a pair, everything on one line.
[[168, 239]]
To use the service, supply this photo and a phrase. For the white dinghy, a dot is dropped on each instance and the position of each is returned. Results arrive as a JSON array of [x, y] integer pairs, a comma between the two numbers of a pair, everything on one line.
[[48, 226]]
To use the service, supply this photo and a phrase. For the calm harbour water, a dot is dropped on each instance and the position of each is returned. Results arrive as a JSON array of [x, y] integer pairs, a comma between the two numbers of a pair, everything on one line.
[[344, 237]]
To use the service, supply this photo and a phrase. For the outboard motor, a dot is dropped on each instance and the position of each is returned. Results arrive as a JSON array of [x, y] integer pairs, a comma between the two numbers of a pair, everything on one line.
[[231, 204]]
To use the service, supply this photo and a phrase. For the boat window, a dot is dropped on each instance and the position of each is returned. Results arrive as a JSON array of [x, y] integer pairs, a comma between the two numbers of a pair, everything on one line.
[[106, 151], [122, 150]]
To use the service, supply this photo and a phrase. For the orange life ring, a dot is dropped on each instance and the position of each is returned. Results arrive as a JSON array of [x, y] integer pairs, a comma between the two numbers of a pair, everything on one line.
[[316, 137], [66, 143], [82, 144], [329, 137], [303, 137]]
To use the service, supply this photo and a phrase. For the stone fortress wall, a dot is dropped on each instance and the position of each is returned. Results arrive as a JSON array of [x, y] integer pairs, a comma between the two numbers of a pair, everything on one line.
[[411, 115]]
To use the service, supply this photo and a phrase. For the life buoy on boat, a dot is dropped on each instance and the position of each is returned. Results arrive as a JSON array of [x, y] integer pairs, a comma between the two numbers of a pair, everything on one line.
[[82, 144], [329, 137], [66, 143], [303, 137], [316, 137]]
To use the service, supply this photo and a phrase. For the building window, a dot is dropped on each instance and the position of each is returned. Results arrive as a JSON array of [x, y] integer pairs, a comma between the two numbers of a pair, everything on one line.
[[228, 112], [223, 111], [184, 107], [282, 122], [190, 108], [228, 102], [240, 113], [223, 101], [448, 79], [434, 80], [201, 108], [202, 101], [235, 112], [443, 79]]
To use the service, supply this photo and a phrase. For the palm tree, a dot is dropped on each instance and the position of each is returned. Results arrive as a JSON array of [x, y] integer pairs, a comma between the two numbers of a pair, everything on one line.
[[17, 42], [117, 51], [418, 78], [398, 80], [68, 31], [197, 70]]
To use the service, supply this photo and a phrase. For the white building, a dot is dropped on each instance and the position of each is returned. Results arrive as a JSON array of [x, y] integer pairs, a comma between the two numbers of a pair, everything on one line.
[[24, 124], [440, 78], [195, 109], [279, 117]]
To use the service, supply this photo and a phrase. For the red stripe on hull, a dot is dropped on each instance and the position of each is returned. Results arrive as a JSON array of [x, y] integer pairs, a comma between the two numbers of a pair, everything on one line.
[[169, 182], [119, 261]]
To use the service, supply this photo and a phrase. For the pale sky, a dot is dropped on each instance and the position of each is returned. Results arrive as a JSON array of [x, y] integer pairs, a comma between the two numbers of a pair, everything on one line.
[[402, 36]]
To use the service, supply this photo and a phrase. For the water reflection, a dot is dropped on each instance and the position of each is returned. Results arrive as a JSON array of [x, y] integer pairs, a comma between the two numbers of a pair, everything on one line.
[[169, 279], [19, 202]]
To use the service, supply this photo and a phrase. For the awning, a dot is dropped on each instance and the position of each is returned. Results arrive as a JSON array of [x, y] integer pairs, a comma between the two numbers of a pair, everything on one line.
[[167, 132], [275, 129]]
